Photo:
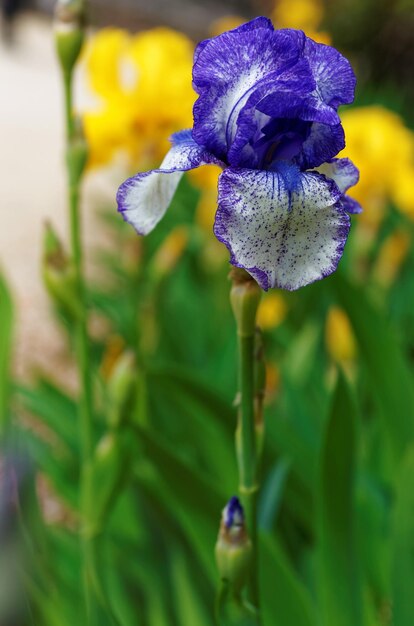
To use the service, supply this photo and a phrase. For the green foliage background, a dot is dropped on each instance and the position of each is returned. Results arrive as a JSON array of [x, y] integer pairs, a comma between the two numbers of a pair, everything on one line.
[[336, 508]]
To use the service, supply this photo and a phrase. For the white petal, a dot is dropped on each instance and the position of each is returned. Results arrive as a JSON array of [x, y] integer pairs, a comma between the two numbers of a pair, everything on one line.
[[285, 230], [342, 171], [144, 198]]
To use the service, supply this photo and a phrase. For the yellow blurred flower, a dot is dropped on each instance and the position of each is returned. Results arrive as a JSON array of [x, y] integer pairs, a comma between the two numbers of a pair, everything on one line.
[[272, 381], [383, 149], [170, 252], [339, 337], [272, 311], [391, 257], [306, 15], [206, 179], [143, 84]]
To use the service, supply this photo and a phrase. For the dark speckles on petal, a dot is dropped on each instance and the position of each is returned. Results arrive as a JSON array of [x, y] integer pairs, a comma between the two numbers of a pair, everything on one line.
[[286, 242]]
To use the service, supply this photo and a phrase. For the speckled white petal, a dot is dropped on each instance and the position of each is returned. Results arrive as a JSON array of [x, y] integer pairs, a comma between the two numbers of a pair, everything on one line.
[[144, 198], [342, 171], [285, 231]]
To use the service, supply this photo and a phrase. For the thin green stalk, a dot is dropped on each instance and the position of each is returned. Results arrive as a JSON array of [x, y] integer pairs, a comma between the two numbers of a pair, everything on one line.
[[246, 440], [245, 297], [82, 353]]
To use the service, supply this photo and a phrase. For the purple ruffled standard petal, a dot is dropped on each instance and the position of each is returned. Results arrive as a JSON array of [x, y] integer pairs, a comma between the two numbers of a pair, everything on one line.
[[322, 143], [285, 228], [226, 72], [144, 198], [258, 22], [334, 76], [249, 142]]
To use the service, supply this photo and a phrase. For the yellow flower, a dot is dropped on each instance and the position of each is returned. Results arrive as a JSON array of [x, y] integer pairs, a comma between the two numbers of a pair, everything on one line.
[[170, 252], [306, 15], [143, 84], [383, 150], [272, 311], [391, 257], [206, 179], [339, 337]]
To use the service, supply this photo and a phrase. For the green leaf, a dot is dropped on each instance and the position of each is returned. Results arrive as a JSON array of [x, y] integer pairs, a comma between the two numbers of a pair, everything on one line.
[[285, 599], [391, 381], [403, 545], [189, 496], [339, 585], [271, 494], [6, 324], [189, 608], [186, 410], [55, 409]]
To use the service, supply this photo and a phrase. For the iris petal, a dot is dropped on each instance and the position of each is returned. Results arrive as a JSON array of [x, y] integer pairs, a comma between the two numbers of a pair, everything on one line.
[[333, 73], [226, 70], [285, 228], [342, 171], [144, 198], [323, 143]]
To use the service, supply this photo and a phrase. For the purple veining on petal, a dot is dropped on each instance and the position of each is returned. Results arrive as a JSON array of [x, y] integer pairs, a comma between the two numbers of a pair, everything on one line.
[[333, 73], [342, 171], [285, 233], [226, 71], [267, 113], [350, 205], [144, 198]]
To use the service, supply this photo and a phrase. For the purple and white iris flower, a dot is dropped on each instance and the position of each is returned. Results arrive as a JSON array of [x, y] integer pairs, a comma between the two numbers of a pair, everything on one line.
[[267, 114]]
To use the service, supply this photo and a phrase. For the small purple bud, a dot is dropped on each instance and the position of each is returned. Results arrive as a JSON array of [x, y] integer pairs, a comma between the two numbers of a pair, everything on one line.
[[233, 547], [233, 514]]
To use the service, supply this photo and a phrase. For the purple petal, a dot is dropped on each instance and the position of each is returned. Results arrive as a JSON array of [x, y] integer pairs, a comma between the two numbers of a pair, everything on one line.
[[342, 171], [308, 108], [323, 143], [290, 87], [350, 205], [228, 68], [284, 228], [333, 73], [144, 198], [258, 22]]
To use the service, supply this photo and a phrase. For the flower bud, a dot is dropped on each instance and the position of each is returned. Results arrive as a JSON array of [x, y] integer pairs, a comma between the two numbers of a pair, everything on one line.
[[233, 547], [69, 32], [59, 273], [245, 297], [121, 388]]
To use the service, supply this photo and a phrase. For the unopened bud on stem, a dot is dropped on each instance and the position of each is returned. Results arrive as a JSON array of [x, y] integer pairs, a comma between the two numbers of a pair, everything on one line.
[[245, 297], [69, 31], [59, 273], [233, 547]]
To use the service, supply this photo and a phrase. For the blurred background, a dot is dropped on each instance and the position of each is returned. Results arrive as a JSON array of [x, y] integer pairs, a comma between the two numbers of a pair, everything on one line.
[[376, 35], [164, 422]]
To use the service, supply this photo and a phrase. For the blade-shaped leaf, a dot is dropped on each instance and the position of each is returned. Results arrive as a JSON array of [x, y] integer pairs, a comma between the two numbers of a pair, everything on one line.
[[403, 545], [285, 600], [339, 574], [391, 381]]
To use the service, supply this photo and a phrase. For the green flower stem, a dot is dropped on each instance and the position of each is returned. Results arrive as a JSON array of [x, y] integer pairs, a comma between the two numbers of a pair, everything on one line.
[[76, 157], [69, 118], [245, 297]]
